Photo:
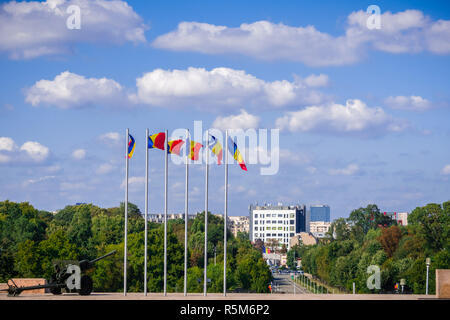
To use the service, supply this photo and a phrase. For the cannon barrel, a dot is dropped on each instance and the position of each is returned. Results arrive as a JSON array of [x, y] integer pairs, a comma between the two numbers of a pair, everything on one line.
[[102, 257], [86, 264]]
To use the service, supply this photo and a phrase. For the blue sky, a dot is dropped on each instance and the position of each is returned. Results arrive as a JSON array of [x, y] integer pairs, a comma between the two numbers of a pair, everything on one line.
[[363, 114]]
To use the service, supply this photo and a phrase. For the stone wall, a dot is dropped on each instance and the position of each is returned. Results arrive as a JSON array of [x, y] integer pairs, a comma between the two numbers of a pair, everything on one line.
[[443, 283], [26, 282]]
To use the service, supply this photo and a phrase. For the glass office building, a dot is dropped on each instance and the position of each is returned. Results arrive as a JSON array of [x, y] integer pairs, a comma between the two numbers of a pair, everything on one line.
[[320, 213]]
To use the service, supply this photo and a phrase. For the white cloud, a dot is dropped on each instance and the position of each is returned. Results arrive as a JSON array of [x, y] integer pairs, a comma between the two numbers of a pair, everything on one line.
[[198, 87], [406, 31], [355, 116], [34, 181], [446, 170], [7, 144], [33, 29], [261, 39], [294, 157], [243, 121], [29, 151], [134, 182], [4, 158], [219, 87], [347, 171], [104, 168], [35, 151], [111, 138], [320, 80], [79, 154], [69, 90], [413, 103]]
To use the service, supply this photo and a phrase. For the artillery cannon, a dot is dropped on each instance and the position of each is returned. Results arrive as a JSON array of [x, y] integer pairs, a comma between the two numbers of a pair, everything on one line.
[[67, 276]]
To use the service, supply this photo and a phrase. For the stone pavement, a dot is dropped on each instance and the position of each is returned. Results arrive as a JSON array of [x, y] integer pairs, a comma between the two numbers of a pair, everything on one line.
[[216, 296]]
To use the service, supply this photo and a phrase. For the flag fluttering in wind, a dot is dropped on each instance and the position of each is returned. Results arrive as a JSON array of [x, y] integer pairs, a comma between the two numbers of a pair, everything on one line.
[[131, 146], [157, 141], [265, 250], [216, 148], [175, 146], [232, 147], [195, 148]]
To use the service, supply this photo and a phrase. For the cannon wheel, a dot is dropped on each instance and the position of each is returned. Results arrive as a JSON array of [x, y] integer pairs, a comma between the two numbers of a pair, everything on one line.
[[86, 286], [54, 290]]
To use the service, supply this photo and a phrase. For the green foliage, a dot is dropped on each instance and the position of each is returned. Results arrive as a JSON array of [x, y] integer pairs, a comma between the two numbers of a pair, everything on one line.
[[370, 238], [30, 240]]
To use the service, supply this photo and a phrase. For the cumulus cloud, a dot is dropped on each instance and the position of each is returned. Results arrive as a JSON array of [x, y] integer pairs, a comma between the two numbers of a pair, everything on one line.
[[69, 90], [30, 151], [110, 138], [243, 121], [412, 103], [134, 182], [104, 168], [347, 171], [79, 154], [35, 151], [406, 31], [353, 117], [446, 170], [38, 180], [32, 29], [7, 144], [220, 87]]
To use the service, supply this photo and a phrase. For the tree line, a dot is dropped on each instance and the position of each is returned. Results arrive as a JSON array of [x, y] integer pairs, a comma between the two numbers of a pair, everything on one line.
[[31, 239], [368, 237]]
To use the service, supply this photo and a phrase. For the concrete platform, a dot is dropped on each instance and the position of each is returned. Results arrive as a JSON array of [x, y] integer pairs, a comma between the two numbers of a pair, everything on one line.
[[217, 296]]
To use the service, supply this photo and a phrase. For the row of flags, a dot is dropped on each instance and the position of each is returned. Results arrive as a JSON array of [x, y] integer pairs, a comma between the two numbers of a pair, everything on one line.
[[156, 141], [161, 141]]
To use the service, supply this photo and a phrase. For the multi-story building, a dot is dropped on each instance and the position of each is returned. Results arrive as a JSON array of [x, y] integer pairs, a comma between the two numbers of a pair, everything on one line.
[[238, 224], [320, 212], [276, 224], [159, 217], [319, 228], [400, 217]]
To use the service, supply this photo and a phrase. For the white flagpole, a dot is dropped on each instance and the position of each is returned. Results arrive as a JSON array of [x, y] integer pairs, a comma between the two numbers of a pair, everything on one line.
[[146, 212], [205, 281], [225, 218], [165, 210], [186, 216], [126, 217]]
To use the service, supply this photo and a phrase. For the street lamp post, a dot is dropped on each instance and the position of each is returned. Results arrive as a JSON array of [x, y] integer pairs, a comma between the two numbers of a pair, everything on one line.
[[428, 262], [402, 283]]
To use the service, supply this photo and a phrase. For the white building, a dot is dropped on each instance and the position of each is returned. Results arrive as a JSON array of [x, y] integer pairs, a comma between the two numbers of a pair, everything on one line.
[[159, 217], [238, 224], [276, 223], [402, 218], [319, 228]]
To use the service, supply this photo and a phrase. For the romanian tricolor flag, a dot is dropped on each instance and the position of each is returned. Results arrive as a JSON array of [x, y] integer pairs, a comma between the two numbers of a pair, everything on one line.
[[175, 146], [131, 146], [232, 147], [195, 148], [157, 141], [216, 148]]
